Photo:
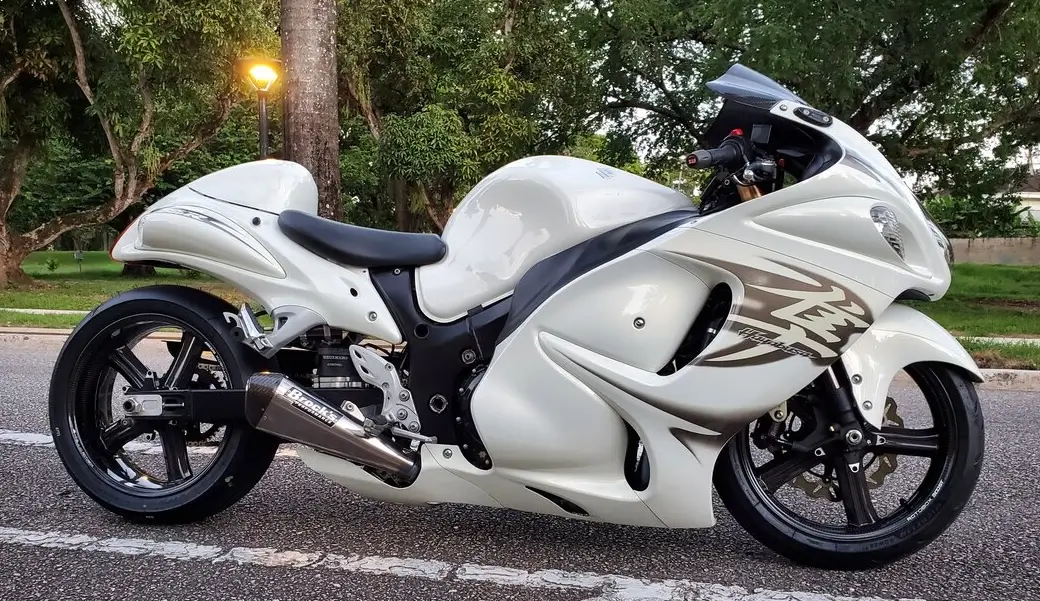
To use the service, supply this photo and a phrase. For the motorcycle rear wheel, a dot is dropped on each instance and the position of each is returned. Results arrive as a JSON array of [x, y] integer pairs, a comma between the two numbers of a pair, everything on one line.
[[107, 455], [955, 447]]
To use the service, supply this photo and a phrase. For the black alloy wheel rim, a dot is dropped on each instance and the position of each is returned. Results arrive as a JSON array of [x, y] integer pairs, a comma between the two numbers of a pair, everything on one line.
[[943, 456], [102, 440]]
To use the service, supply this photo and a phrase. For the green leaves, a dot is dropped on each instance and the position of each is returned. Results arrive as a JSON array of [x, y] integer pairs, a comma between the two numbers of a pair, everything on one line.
[[1001, 216], [60, 180], [456, 88], [948, 90], [111, 94], [428, 145]]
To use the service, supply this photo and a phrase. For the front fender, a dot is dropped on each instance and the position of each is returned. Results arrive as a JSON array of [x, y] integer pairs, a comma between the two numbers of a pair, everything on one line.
[[901, 336]]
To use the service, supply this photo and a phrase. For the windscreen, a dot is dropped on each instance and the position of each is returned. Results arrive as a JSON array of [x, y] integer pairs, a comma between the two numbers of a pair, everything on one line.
[[747, 86]]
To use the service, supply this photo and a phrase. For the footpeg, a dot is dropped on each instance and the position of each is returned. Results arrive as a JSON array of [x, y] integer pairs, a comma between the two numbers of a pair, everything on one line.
[[253, 334], [277, 405]]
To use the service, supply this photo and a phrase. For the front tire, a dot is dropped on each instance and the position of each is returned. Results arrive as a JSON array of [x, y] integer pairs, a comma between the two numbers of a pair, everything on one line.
[[96, 446], [955, 463]]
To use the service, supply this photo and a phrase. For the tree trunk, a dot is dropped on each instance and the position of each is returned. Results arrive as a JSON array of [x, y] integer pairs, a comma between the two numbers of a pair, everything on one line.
[[402, 207], [311, 120], [439, 202], [12, 255], [13, 166], [11, 272]]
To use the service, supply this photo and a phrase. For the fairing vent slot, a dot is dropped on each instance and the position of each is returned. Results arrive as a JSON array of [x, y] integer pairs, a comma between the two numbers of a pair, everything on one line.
[[637, 463], [563, 504], [705, 328]]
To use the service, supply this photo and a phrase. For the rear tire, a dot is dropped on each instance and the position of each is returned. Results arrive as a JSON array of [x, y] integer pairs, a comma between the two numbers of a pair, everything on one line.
[[77, 416], [927, 515]]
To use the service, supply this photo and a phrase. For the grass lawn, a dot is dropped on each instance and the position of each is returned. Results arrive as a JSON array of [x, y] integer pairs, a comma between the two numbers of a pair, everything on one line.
[[990, 300], [69, 288]]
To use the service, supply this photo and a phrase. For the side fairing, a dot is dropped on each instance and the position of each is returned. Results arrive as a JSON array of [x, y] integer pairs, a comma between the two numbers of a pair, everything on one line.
[[826, 222], [574, 440], [575, 372]]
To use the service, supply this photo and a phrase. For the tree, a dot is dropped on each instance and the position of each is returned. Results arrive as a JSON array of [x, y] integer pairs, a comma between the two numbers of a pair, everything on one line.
[[932, 83], [450, 90], [155, 79], [31, 105], [308, 33]]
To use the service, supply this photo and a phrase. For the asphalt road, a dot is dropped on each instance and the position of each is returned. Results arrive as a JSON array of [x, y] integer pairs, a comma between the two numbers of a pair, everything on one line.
[[297, 536]]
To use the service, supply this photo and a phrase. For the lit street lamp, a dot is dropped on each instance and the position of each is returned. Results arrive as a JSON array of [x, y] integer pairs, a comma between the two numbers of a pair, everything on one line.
[[261, 73]]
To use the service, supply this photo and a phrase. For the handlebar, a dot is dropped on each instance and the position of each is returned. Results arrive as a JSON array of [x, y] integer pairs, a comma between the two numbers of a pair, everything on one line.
[[731, 149], [703, 159]]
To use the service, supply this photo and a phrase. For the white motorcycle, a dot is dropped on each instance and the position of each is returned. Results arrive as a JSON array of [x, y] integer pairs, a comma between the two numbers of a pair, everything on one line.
[[581, 342]]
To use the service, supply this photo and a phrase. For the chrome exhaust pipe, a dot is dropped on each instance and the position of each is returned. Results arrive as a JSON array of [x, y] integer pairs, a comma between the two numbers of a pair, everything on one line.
[[277, 405]]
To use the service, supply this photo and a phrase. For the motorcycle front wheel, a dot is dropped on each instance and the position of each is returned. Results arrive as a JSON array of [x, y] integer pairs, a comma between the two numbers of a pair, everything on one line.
[[817, 508]]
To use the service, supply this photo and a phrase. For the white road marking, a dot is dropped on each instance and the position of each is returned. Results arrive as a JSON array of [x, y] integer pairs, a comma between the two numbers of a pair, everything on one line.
[[33, 439], [603, 587]]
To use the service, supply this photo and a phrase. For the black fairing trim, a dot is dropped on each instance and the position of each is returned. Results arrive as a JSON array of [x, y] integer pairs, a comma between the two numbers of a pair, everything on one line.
[[551, 274], [360, 246], [913, 295], [435, 350]]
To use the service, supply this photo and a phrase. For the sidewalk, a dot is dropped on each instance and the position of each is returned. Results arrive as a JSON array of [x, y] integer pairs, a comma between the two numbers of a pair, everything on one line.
[[64, 332], [46, 311], [992, 340]]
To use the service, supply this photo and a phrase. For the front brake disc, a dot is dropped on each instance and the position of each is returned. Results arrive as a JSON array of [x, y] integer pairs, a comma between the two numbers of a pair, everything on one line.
[[826, 487], [887, 463]]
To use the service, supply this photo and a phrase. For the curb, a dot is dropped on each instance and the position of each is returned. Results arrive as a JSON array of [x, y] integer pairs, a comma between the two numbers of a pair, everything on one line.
[[1000, 340], [36, 331], [64, 333], [1004, 380], [1018, 380]]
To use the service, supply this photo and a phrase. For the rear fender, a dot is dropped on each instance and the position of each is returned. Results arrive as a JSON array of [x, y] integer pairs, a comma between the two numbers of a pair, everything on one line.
[[196, 236], [901, 336]]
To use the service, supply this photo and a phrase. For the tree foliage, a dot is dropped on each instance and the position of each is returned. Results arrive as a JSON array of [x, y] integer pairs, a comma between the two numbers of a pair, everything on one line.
[[435, 94], [452, 89], [949, 91], [136, 85], [1000, 217]]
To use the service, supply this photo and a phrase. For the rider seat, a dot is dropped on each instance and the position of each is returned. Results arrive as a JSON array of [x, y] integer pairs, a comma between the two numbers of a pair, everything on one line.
[[358, 246]]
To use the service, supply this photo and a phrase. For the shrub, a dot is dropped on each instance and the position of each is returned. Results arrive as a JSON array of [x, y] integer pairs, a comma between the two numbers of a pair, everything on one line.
[[999, 217]]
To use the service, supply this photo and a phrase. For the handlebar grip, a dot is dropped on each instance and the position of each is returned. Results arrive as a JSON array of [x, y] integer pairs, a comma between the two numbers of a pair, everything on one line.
[[703, 159]]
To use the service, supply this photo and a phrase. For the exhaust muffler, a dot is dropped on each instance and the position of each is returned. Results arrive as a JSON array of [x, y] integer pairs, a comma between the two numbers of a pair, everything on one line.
[[277, 405]]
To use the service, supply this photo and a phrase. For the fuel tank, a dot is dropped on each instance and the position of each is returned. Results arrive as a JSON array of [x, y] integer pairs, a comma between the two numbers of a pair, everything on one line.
[[524, 212]]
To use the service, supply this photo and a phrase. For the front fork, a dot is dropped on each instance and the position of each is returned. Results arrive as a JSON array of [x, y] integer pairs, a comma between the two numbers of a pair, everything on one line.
[[845, 424]]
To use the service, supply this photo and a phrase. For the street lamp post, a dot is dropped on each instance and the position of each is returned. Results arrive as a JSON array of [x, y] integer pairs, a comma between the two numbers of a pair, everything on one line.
[[261, 73]]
